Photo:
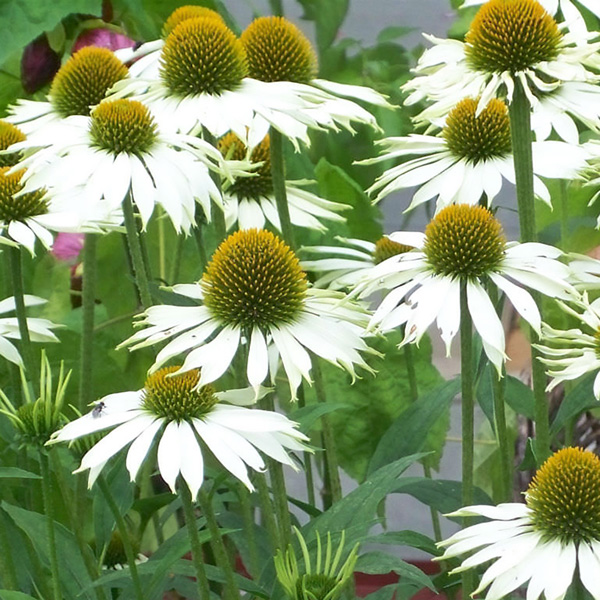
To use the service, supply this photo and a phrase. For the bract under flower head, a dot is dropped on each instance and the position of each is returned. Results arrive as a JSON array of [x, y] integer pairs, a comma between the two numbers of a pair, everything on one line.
[[278, 51]]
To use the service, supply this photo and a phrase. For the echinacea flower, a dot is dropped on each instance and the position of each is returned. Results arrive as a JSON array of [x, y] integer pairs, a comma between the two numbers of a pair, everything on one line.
[[470, 157], [569, 354], [203, 83], [343, 267], [464, 246], [80, 84], [323, 578], [571, 14], [254, 292], [9, 135], [179, 411], [27, 216], [543, 542], [510, 42], [119, 150], [250, 201], [40, 330]]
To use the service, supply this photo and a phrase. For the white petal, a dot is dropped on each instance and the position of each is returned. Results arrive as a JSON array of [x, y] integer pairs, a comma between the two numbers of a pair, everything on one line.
[[192, 462], [258, 359], [140, 447], [521, 299], [169, 455]]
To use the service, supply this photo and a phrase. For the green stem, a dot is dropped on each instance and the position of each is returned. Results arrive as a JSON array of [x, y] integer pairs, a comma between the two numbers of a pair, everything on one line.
[[49, 512], [196, 546], [278, 176], [17, 283], [218, 546], [521, 137], [414, 395], [162, 261], [279, 488], [334, 493], [564, 215], [176, 264], [124, 532], [7, 566], [135, 250], [267, 512], [86, 390], [248, 518], [468, 408], [199, 237], [308, 469], [276, 7]]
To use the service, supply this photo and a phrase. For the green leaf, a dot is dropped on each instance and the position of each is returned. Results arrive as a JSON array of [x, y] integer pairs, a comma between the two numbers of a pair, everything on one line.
[[8, 595], [74, 576], [328, 16], [579, 399], [15, 473], [307, 416], [413, 539], [443, 495], [379, 563], [336, 185], [355, 512], [406, 435], [29, 18], [385, 593], [389, 34]]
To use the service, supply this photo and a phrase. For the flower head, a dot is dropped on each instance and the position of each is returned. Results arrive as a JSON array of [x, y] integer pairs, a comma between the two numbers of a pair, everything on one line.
[[80, 84], [569, 354], [471, 156], [180, 411], [9, 135], [321, 579], [463, 246], [510, 42], [119, 150], [542, 542], [250, 202], [344, 266], [254, 292]]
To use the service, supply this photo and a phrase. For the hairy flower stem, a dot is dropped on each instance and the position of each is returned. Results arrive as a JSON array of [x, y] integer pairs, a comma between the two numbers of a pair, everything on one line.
[[196, 546], [247, 511], [135, 251], [467, 411], [17, 283], [232, 591], [124, 532], [521, 136], [334, 493], [308, 467], [267, 512], [88, 303], [414, 396], [278, 176], [50, 532]]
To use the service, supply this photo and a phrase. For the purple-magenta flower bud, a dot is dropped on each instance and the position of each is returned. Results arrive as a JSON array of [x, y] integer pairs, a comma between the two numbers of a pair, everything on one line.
[[39, 64], [103, 38]]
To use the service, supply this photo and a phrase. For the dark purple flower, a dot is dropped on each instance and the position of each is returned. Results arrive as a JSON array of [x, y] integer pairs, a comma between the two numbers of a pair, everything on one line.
[[39, 64]]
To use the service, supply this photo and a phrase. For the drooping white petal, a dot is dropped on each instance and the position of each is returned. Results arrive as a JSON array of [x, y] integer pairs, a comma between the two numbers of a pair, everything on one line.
[[169, 455], [140, 447], [258, 359], [192, 462]]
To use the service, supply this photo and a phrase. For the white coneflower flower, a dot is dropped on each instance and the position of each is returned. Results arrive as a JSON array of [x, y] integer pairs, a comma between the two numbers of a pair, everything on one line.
[[80, 84], [571, 353], [571, 14], [203, 83], [344, 266], [40, 330], [250, 202], [464, 245], [180, 411], [120, 150], [509, 41], [254, 291], [470, 157], [543, 542]]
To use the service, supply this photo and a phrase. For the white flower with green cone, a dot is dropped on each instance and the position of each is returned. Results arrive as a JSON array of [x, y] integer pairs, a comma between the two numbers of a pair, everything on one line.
[[543, 542], [254, 294], [463, 245], [180, 412]]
